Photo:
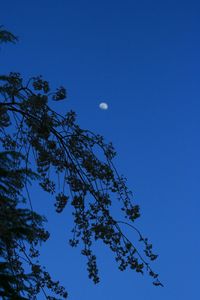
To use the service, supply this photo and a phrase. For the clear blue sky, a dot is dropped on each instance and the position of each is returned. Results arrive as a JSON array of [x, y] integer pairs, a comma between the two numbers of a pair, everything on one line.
[[143, 58]]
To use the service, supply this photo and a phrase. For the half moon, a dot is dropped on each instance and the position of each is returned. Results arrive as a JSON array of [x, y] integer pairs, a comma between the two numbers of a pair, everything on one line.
[[103, 105]]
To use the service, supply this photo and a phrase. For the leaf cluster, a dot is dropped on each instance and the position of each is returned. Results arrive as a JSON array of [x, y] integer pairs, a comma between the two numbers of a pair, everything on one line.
[[21, 231]]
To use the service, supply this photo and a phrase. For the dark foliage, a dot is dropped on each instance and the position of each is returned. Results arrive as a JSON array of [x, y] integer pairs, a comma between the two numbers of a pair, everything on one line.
[[20, 230], [31, 131], [6, 36]]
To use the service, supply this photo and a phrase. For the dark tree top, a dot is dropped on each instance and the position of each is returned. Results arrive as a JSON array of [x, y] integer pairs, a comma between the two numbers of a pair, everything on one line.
[[49, 146]]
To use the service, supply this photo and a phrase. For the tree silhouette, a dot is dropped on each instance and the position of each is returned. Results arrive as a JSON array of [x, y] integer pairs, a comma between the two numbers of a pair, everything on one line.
[[40, 144]]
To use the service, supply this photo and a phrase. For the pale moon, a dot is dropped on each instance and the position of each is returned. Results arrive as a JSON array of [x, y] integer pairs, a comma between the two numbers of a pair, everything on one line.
[[103, 106]]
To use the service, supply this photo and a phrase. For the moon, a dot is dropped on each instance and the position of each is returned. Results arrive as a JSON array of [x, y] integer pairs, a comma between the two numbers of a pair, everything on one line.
[[103, 105]]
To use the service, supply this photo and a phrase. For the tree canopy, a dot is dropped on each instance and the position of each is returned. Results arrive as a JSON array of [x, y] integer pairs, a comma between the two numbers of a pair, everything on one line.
[[39, 144]]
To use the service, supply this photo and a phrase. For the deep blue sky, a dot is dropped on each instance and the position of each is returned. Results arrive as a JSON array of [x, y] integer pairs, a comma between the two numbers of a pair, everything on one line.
[[143, 58]]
